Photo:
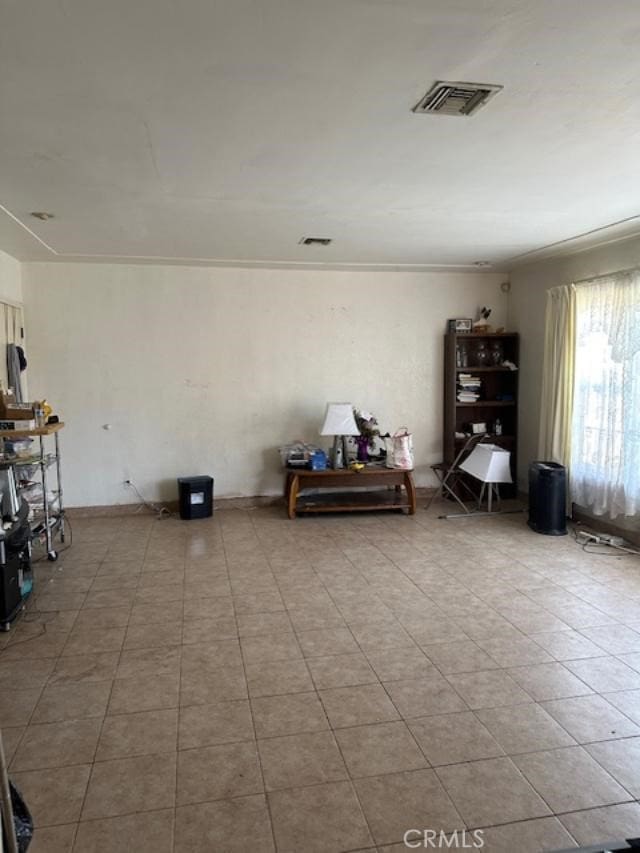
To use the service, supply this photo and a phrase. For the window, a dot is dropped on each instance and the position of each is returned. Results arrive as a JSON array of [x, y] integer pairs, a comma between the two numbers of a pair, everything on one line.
[[605, 434]]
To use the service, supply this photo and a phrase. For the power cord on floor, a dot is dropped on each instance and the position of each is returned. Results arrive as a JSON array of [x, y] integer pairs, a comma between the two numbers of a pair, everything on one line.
[[594, 544], [160, 511]]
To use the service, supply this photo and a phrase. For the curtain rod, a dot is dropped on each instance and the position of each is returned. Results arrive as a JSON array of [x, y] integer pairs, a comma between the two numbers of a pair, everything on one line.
[[605, 275]]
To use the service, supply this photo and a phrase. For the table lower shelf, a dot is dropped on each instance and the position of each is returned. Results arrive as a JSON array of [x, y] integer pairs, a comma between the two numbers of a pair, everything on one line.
[[353, 501], [374, 488]]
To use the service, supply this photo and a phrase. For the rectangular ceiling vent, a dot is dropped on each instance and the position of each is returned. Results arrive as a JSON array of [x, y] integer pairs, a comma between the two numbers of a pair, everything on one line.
[[456, 99]]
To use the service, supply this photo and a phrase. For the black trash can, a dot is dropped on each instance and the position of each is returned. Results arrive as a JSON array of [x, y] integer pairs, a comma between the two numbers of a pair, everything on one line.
[[196, 497], [548, 498]]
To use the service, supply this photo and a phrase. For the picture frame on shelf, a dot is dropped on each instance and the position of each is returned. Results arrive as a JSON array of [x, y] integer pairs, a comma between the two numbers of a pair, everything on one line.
[[460, 325]]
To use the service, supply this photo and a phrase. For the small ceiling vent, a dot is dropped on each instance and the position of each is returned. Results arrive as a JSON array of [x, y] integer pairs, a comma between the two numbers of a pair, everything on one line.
[[315, 241], [456, 99]]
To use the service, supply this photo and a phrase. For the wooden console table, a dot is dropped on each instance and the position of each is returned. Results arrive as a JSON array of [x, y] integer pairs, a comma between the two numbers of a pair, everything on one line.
[[370, 478]]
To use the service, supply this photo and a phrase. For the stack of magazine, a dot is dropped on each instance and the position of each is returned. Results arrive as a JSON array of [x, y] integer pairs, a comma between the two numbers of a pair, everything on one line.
[[468, 388]]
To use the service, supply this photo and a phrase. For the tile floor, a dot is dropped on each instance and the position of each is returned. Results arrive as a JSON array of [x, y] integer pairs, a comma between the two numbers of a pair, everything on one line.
[[250, 683]]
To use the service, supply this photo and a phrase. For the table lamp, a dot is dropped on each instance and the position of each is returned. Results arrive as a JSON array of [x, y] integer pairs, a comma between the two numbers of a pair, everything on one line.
[[339, 422]]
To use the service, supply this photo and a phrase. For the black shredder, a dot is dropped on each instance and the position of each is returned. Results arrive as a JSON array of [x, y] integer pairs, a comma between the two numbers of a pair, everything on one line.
[[196, 497], [548, 498]]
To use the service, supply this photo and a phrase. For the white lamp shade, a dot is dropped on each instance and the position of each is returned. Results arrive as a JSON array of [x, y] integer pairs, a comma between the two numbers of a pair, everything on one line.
[[488, 463], [339, 420]]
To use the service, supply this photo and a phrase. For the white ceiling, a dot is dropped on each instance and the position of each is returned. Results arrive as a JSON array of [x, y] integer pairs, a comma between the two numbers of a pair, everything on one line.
[[226, 130]]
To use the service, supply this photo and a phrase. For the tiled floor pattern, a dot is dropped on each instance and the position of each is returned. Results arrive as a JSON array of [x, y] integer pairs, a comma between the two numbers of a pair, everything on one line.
[[250, 683]]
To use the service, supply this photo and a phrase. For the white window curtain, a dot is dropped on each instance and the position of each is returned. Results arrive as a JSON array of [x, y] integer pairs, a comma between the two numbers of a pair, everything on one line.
[[556, 403], [605, 444]]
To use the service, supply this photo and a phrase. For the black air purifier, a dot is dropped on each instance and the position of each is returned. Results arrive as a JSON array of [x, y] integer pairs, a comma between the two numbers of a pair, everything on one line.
[[196, 497], [548, 498]]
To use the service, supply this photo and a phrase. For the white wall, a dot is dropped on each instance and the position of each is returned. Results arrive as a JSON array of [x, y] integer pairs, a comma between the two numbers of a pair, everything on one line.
[[10, 279], [526, 315], [202, 370]]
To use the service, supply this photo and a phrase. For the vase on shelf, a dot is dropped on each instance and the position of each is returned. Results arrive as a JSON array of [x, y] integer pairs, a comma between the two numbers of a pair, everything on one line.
[[497, 353], [481, 354], [362, 443]]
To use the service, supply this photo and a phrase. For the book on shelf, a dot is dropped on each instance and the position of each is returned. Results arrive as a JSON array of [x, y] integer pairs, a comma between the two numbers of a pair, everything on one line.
[[469, 387]]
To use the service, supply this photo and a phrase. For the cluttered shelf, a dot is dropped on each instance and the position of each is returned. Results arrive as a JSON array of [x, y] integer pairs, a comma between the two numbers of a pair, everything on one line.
[[486, 369], [459, 439], [37, 506], [46, 508], [374, 500], [31, 494], [476, 336], [24, 430], [26, 461], [49, 429]]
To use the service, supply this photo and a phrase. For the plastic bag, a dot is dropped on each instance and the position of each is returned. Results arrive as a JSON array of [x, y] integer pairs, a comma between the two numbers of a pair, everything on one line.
[[22, 821], [399, 449]]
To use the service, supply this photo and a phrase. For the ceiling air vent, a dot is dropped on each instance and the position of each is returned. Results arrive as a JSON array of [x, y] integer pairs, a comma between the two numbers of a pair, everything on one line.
[[455, 99], [315, 241]]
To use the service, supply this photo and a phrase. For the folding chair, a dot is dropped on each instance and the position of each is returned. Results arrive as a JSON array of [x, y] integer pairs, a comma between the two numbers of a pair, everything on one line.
[[450, 476]]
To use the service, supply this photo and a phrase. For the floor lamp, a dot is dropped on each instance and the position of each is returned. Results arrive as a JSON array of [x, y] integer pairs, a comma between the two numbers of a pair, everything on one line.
[[339, 422], [491, 465]]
